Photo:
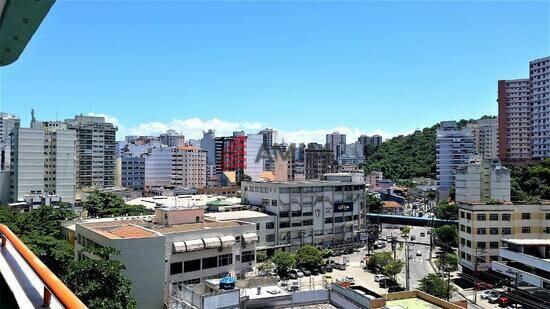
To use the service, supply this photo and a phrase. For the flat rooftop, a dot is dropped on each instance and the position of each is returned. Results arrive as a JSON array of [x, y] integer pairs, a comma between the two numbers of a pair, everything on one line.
[[236, 215], [301, 183], [528, 242], [410, 303], [200, 200]]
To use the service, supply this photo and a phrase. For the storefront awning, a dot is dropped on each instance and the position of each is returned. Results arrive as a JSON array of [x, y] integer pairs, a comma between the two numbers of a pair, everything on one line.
[[227, 241], [212, 242], [178, 247], [250, 238], [194, 245]]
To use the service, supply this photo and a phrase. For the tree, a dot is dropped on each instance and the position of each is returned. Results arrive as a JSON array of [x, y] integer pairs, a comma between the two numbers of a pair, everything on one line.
[[530, 183], [284, 261], [56, 254], [446, 211], [393, 268], [99, 283], [447, 262], [405, 231], [436, 286], [379, 260], [374, 203], [309, 256], [265, 266], [446, 235], [105, 204], [261, 256]]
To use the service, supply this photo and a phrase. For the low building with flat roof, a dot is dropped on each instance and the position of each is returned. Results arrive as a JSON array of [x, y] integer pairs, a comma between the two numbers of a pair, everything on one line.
[[201, 200], [178, 246], [265, 224]]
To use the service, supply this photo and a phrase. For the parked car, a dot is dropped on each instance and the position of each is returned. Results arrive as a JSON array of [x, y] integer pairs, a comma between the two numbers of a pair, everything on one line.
[[395, 288], [487, 293], [379, 245], [483, 286], [387, 283], [379, 277], [322, 270], [418, 253], [340, 266], [306, 272], [298, 272], [315, 271], [503, 301], [493, 299], [291, 274], [329, 268]]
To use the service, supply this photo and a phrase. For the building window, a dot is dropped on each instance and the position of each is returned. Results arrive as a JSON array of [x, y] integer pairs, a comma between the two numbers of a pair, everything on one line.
[[462, 214], [468, 230], [548, 216], [481, 217], [270, 238], [270, 225], [247, 256], [468, 216], [468, 243], [481, 231], [493, 245], [493, 231], [308, 222], [462, 241], [210, 262], [328, 220], [506, 217], [192, 281], [273, 202], [493, 217], [176, 268], [192, 265], [225, 259], [257, 226], [481, 244], [462, 228], [506, 231], [338, 219], [526, 230], [526, 216]]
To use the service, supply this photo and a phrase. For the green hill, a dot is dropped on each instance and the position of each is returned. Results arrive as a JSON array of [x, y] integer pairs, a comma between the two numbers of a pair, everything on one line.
[[405, 156]]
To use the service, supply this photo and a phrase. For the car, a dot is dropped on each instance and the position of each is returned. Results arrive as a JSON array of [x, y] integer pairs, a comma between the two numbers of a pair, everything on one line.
[[479, 286], [329, 268], [292, 275], [493, 299], [322, 270], [514, 306], [395, 288], [340, 266], [315, 271], [487, 293], [418, 253], [422, 234], [349, 278], [299, 273], [386, 283], [503, 301], [379, 277], [306, 272], [380, 245]]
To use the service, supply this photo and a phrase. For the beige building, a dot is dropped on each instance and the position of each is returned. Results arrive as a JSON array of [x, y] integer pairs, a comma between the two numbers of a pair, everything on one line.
[[482, 181], [485, 133], [482, 227], [189, 167]]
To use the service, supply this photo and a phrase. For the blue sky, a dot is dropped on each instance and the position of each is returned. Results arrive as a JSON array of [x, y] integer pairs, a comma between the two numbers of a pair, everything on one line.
[[304, 68]]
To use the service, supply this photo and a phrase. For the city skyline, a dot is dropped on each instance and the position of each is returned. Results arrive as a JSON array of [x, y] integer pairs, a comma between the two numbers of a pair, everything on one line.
[[206, 77]]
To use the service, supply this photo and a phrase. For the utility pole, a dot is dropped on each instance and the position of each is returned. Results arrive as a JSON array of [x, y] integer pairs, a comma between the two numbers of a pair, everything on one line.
[[407, 275]]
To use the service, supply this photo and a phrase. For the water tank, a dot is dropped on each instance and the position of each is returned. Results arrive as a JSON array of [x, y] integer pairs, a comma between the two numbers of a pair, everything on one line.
[[227, 283]]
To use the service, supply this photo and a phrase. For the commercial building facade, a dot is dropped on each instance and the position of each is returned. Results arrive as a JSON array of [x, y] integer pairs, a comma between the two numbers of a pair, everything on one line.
[[482, 227], [322, 213]]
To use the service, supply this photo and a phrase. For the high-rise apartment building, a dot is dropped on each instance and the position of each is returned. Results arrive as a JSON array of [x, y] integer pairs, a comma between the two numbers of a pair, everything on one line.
[[7, 124], [337, 143], [374, 140], [172, 139], [514, 120], [189, 167], [254, 162], [318, 161], [96, 141], [539, 75], [208, 144], [132, 172], [269, 137], [485, 132], [454, 147], [27, 162], [158, 167], [524, 115]]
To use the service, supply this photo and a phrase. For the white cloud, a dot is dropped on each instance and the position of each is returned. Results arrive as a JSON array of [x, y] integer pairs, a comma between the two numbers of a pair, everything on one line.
[[192, 128]]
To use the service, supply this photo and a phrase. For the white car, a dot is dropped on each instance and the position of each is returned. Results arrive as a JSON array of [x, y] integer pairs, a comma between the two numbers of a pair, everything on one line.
[[379, 277], [485, 294], [299, 273]]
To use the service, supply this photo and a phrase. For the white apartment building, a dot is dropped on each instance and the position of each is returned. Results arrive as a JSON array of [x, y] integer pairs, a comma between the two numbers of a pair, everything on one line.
[[322, 213], [95, 151], [485, 132], [482, 181], [27, 163], [454, 147], [539, 72], [254, 162], [176, 247], [158, 167], [172, 139], [189, 167], [482, 227]]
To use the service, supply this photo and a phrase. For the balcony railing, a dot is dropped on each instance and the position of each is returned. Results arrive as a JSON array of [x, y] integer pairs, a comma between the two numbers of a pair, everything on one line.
[[52, 286]]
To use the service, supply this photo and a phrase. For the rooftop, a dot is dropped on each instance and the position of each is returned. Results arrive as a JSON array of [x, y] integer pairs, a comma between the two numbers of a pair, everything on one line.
[[236, 215], [188, 227], [412, 303], [528, 242], [301, 183], [392, 204], [200, 200]]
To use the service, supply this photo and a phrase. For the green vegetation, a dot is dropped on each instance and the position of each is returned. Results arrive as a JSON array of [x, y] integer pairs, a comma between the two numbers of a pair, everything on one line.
[[446, 211], [98, 283], [309, 256], [436, 286], [374, 203], [530, 183], [405, 231], [284, 261], [405, 156], [446, 236], [261, 256], [108, 204], [384, 262], [447, 262], [393, 268]]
